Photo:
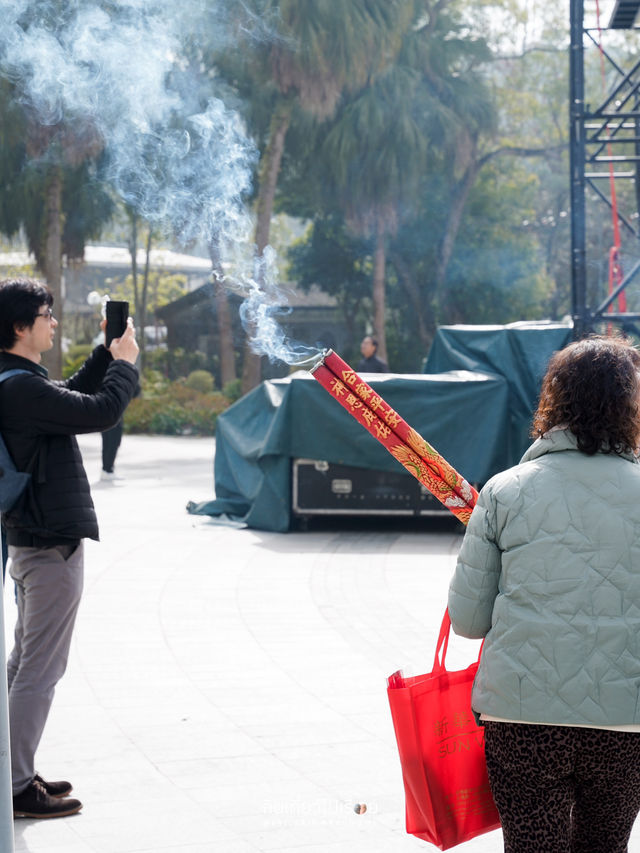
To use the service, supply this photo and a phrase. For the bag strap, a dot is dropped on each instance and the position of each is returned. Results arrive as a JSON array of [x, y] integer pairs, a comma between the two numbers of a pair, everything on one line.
[[439, 660], [443, 643], [40, 453], [14, 372]]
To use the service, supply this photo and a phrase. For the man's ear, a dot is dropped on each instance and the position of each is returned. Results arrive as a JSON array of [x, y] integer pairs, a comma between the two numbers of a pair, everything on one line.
[[20, 329]]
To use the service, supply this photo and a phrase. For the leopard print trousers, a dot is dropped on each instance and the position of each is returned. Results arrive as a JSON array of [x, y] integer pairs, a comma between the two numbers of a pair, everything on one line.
[[561, 789]]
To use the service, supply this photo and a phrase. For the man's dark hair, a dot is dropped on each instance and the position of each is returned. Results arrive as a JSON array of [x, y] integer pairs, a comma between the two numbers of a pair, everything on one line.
[[591, 387], [20, 301], [373, 340]]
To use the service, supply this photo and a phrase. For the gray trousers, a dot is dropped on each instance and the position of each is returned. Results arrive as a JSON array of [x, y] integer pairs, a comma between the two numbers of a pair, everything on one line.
[[48, 590]]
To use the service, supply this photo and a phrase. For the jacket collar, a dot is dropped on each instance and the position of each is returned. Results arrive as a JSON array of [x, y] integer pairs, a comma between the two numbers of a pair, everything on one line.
[[10, 361], [558, 440]]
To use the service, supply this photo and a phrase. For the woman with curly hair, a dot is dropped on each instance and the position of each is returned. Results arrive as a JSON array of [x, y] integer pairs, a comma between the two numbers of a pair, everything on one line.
[[549, 575]]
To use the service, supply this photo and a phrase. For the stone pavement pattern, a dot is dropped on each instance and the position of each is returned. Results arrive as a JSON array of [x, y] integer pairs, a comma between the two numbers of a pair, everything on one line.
[[226, 688]]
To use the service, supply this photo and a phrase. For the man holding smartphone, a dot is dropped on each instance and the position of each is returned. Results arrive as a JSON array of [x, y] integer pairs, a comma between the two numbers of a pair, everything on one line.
[[39, 419]]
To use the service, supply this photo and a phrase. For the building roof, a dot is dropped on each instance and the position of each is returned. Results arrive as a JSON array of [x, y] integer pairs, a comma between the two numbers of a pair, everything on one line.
[[16, 259], [624, 14], [312, 298], [289, 297], [119, 257]]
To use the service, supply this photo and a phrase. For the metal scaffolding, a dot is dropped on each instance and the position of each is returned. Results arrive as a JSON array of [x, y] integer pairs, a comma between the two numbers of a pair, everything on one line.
[[600, 136]]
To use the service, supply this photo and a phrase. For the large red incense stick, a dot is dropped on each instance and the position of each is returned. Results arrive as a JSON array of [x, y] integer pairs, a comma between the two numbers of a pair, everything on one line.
[[404, 443]]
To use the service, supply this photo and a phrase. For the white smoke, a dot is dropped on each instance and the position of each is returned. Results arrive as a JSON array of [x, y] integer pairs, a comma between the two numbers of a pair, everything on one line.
[[116, 67]]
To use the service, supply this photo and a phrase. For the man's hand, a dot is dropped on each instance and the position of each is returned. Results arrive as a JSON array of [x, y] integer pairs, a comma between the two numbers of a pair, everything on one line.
[[126, 347]]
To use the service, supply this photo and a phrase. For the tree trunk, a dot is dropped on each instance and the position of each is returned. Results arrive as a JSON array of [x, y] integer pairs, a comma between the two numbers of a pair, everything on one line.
[[52, 359], [226, 349], [461, 195], [458, 202], [379, 308], [133, 253], [269, 169], [141, 315], [417, 300]]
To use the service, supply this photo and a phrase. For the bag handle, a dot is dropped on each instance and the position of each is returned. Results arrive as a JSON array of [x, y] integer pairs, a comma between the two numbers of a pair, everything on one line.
[[439, 660], [443, 644]]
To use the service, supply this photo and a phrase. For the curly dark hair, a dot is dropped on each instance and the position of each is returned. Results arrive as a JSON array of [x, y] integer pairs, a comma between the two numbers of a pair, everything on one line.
[[592, 387]]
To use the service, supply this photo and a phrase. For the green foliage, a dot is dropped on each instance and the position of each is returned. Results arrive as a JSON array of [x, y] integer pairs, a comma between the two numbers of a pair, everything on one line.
[[163, 288], [13, 156], [200, 380], [331, 255], [317, 50], [233, 390], [87, 206], [391, 102], [25, 173], [74, 358], [154, 382], [173, 409], [178, 362], [375, 150], [424, 106]]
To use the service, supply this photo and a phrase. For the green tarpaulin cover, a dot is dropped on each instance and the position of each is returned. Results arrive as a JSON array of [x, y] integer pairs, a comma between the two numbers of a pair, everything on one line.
[[463, 414], [519, 352]]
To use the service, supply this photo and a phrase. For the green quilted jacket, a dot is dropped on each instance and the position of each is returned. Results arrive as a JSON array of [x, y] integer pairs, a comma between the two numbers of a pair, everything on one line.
[[549, 574]]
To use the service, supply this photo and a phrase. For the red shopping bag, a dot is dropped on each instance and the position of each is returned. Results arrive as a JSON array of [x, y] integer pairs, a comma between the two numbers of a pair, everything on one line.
[[447, 794]]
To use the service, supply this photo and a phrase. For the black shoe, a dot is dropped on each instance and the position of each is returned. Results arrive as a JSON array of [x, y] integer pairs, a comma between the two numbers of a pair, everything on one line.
[[54, 789], [35, 802]]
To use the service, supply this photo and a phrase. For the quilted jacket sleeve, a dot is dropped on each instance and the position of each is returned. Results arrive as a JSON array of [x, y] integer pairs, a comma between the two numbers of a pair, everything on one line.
[[474, 586]]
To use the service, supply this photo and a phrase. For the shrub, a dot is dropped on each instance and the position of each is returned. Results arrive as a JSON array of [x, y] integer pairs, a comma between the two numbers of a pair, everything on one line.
[[233, 390], [137, 417], [154, 382], [175, 410], [169, 420], [203, 421], [178, 362], [200, 380], [74, 358]]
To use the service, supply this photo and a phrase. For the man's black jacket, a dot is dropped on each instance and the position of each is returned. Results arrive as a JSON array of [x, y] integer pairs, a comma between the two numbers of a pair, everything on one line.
[[39, 420], [373, 364]]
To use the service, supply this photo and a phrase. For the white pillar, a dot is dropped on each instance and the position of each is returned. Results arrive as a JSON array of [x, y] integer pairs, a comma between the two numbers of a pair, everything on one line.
[[6, 796]]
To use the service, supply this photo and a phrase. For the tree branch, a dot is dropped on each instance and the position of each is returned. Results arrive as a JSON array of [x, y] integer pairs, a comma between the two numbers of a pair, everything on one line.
[[519, 151], [534, 49], [461, 194], [431, 16]]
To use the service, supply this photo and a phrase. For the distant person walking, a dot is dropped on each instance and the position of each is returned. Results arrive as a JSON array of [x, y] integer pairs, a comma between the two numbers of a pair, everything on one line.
[[370, 363], [39, 420], [111, 439]]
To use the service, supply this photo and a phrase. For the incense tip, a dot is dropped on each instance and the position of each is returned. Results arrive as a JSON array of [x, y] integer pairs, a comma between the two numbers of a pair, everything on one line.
[[320, 360]]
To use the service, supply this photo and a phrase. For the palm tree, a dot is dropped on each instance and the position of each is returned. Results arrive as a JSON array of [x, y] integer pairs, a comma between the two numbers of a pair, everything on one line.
[[57, 148], [53, 145], [374, 153], [425, 105], [318, 50]]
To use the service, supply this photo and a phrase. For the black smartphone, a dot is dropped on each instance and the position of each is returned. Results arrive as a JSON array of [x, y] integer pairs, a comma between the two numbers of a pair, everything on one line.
[[117, 315]]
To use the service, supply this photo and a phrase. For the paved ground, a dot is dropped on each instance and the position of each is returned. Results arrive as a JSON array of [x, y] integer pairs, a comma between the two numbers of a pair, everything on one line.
[[226, 689]]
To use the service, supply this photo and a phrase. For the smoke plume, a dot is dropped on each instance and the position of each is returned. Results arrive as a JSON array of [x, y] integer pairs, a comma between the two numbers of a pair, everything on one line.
[[118, 67]]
